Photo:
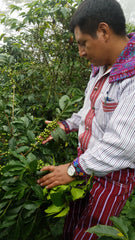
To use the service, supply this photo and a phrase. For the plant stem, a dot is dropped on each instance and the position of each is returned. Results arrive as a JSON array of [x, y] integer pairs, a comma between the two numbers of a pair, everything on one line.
[[6, 209], [13, 101]]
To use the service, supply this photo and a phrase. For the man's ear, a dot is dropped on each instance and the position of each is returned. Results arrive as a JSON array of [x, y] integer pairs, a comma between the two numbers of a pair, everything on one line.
[[103, 31]]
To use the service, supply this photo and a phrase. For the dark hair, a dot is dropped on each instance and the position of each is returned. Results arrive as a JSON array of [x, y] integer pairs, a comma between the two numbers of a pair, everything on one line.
[[91, 12]]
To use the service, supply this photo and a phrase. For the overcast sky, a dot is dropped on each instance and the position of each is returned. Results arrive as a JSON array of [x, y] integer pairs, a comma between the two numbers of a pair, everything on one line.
[[128, 7], [129, 10]]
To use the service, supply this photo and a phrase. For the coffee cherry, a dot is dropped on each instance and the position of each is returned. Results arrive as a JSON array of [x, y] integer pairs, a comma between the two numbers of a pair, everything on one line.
[[40, 164], [47, 131]]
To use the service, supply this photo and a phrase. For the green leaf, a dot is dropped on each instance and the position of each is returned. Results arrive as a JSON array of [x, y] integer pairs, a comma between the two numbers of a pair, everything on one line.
[[22, 149], [33, 166], [10, 217], [131, 213], [77, 193], [38, 191], [57, 197], [55, 136], [7, 181], [1, 36], [131, 234], [64, 102], [7, 224], [18, 156], [28, 213], [53, 209], [30, 206], [22, 140], [28, 229], [3, 204], [76, 100], [10, 195], [64, 12], [14, 7], [31, 157], [18, 190], [12, 143], [3, 59], [1, 104], [120, 224], [76, 183], [64, 212], [16, 168], [26, 121], [31, 136], [59, 133], [22, 189], [18, 122], [103, 230], [15, 210], [16, 230], [45, 191], [12, 164]]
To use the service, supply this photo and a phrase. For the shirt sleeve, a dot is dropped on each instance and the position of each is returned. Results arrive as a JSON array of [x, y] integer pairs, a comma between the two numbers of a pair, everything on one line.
[[72, 124], [116, 149]]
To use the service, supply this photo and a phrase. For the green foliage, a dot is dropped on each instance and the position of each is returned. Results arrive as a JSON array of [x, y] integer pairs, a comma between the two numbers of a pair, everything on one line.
[[123, 226], [23, 201], [42, 58], [41, 77], [130, 28], [25, 207]]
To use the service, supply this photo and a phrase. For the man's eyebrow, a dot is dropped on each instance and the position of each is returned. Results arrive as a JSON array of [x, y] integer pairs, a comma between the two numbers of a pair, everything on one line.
[[81, 41]]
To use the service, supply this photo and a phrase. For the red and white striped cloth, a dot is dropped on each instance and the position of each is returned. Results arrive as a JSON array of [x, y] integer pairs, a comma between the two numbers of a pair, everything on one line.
[[107, 198]]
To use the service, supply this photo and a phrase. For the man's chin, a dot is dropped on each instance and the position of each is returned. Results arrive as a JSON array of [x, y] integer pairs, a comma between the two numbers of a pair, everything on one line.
[[96, 64]]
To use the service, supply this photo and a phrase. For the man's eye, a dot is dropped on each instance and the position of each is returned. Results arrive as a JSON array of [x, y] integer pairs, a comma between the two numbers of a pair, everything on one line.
[[83, 44]]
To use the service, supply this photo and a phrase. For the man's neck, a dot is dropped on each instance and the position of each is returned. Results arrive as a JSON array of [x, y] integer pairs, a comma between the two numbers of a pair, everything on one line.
[[116, 48]]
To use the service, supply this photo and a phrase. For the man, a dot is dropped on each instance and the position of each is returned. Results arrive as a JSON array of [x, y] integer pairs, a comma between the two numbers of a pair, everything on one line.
[[106, 122]]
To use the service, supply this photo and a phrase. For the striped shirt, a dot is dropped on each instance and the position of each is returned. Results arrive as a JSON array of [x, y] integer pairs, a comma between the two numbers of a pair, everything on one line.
[[106, 126]]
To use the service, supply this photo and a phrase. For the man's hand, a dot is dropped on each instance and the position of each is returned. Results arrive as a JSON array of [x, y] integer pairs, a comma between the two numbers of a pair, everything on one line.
[[50, 137], [57, 176]]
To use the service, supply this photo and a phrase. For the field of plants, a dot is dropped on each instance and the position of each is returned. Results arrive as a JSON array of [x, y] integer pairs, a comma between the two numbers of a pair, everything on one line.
[[42, 78]]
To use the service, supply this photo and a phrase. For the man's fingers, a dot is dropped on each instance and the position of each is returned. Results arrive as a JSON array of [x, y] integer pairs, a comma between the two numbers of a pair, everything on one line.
[[47, 140], [53, 184], [48, 168], [48, 182], [46, 121], [47, 179]]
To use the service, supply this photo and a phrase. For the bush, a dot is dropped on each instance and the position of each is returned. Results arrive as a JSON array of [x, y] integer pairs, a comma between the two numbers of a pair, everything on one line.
[[41, 77]]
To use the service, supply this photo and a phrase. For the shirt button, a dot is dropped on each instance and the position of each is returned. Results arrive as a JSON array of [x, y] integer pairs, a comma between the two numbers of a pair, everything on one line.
[[96, 88], [93, 108], [87, 128]]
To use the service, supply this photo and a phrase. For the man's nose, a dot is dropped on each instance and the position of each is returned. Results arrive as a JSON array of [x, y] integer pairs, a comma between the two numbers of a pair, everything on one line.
[[82, 52]]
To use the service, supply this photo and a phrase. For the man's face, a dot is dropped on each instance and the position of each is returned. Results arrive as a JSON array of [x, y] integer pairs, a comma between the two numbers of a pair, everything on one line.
[[91, 48]]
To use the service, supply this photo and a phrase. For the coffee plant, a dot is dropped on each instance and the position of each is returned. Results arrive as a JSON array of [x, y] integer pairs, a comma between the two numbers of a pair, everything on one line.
[[41, 76], [25, 207]]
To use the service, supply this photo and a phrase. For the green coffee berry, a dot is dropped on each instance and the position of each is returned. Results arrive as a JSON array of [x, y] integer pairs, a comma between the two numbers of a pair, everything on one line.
[[40, 164], [47, 131]]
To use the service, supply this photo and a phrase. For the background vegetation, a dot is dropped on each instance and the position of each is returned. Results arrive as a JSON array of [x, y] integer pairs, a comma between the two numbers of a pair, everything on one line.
[[41, 77]]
